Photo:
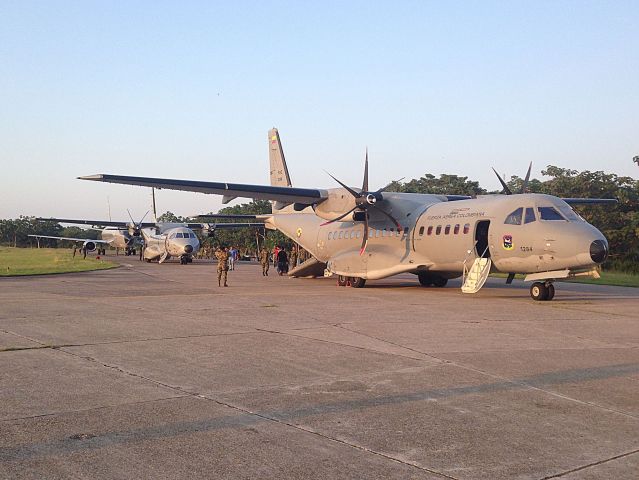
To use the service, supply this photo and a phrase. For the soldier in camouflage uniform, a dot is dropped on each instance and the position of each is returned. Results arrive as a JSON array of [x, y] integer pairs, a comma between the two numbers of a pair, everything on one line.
[[222, 256], [264, 261], [293, 262]]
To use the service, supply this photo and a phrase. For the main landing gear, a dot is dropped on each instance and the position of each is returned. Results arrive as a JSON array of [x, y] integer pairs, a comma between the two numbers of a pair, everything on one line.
[[542, 291], [354, 282], [429, 280]]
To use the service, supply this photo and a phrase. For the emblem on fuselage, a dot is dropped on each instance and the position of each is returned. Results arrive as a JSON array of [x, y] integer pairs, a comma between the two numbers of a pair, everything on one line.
[[508, 242], [299, 232]]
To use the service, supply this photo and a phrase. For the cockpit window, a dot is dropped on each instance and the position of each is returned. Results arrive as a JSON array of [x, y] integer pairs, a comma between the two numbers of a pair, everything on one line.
[[569, 213], [172, 235], [549, 213], [515, 217], [179, 235], [530, 215]]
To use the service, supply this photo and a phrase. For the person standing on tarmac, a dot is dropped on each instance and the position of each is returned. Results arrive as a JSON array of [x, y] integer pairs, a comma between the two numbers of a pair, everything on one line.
[[264, 261], [222, 256], [293, 258]]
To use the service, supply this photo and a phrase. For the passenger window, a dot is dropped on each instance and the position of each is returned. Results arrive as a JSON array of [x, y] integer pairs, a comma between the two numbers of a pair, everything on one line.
[[549, 213], [515, 217], [371, 232], [466, 228], [358, 234], [341, 234], [530, 215], [456, 231], [430, 230], [330, 235], [447, 230], [377, 233], [438, 230], [421, 230]]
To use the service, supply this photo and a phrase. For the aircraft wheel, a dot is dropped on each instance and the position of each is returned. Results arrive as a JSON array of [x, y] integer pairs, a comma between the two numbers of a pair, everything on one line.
[[551, 291], [539, 291], [341, 281], [357, 282], [425, 280], [440, 282], [148, 260]]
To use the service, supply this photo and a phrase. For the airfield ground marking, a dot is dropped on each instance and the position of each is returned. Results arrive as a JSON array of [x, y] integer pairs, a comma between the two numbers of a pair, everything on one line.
[[590, 465]]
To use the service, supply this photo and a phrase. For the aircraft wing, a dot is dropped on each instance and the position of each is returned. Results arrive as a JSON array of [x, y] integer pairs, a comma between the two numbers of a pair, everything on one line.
[[214, 226], [228, 216], [70, 239], [285, 195], [103, 223], [590, 201]]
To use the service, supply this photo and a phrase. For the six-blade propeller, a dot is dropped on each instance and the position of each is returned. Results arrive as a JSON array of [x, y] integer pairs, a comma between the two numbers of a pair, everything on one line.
[[364, 200]]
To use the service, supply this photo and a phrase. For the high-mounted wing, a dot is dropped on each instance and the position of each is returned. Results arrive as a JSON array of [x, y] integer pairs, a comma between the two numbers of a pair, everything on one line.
[[285, 195], [590, 201], [103, 223], [70, 239]]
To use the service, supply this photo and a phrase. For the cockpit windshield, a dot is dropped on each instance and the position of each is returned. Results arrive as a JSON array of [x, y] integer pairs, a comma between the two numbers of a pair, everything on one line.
[[549, 213], [514, 218]]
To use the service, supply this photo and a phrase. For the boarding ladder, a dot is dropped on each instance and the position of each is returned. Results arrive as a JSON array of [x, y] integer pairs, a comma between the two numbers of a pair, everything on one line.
[[475, 276]]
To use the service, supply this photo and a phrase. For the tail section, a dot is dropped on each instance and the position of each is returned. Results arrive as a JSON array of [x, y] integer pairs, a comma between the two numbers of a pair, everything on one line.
[[279, 171]]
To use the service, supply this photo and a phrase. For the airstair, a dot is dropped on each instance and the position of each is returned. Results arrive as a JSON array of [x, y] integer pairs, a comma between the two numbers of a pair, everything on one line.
[[475, 276]]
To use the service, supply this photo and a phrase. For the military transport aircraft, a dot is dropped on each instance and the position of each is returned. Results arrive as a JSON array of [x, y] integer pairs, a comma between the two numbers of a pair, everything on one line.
[[361, 234]]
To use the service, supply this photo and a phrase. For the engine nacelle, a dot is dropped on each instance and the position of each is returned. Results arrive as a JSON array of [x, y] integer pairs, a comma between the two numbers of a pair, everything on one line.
[[89, 246], [338, 202]]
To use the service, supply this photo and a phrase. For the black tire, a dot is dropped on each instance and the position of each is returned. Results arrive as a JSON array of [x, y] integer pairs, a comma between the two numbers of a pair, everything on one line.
[[342, 281], [357, 282], [539, 292], [551, 292], [440, 282], [425, 280]]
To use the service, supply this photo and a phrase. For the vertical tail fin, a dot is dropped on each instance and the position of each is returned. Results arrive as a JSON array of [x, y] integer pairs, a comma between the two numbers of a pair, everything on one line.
[[279, 171]]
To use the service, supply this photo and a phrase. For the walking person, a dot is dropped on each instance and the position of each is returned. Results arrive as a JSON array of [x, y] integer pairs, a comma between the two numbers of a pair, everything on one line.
[[264, 261], [232, 257], [282, 262], [222, 256]]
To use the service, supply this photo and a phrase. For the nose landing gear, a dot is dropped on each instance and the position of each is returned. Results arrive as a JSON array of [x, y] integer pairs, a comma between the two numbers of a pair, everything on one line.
[[542, 291]]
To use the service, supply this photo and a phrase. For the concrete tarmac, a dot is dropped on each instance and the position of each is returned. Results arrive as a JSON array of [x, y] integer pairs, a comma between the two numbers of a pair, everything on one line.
[[153, 371]]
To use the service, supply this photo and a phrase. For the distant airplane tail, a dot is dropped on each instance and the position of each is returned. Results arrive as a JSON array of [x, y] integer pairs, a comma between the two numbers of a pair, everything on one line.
[[279, 170]]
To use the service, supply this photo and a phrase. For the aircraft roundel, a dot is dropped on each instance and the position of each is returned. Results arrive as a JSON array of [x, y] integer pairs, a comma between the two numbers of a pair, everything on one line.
[[508, 242]]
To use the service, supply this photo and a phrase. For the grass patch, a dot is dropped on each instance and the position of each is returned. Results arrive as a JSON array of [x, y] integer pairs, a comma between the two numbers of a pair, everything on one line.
[[38, 261], [617, 279]]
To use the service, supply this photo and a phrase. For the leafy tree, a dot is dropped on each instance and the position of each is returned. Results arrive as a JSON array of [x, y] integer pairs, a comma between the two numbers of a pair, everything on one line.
[[444, 185], [170, 217]]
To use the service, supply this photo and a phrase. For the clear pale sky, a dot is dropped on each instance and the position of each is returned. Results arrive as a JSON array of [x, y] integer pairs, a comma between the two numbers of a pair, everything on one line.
[[190, 89]]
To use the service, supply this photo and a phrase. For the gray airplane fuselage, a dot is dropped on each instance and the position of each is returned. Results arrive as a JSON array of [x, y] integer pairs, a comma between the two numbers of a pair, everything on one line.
[[177, 241], [440, 236]]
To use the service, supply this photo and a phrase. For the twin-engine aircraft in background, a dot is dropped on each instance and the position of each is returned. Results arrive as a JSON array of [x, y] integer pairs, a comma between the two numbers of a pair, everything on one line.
[[360, 234]]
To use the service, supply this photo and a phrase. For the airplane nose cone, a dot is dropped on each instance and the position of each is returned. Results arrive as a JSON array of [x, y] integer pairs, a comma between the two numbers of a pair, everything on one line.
[[189, 248], [598, 251]]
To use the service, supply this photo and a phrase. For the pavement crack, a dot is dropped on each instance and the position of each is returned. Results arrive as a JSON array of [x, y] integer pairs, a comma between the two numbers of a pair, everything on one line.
[[590, 465]]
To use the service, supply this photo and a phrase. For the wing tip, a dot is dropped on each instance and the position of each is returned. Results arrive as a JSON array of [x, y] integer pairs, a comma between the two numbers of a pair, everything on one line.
[[97, 177]]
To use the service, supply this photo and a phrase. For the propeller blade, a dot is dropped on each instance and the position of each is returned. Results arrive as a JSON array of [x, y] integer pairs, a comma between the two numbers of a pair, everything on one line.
[[338, 218], [503, 183], [525, 184], [365, 184], [365, 237], [350, 190], [399, 227], [140, 222]]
